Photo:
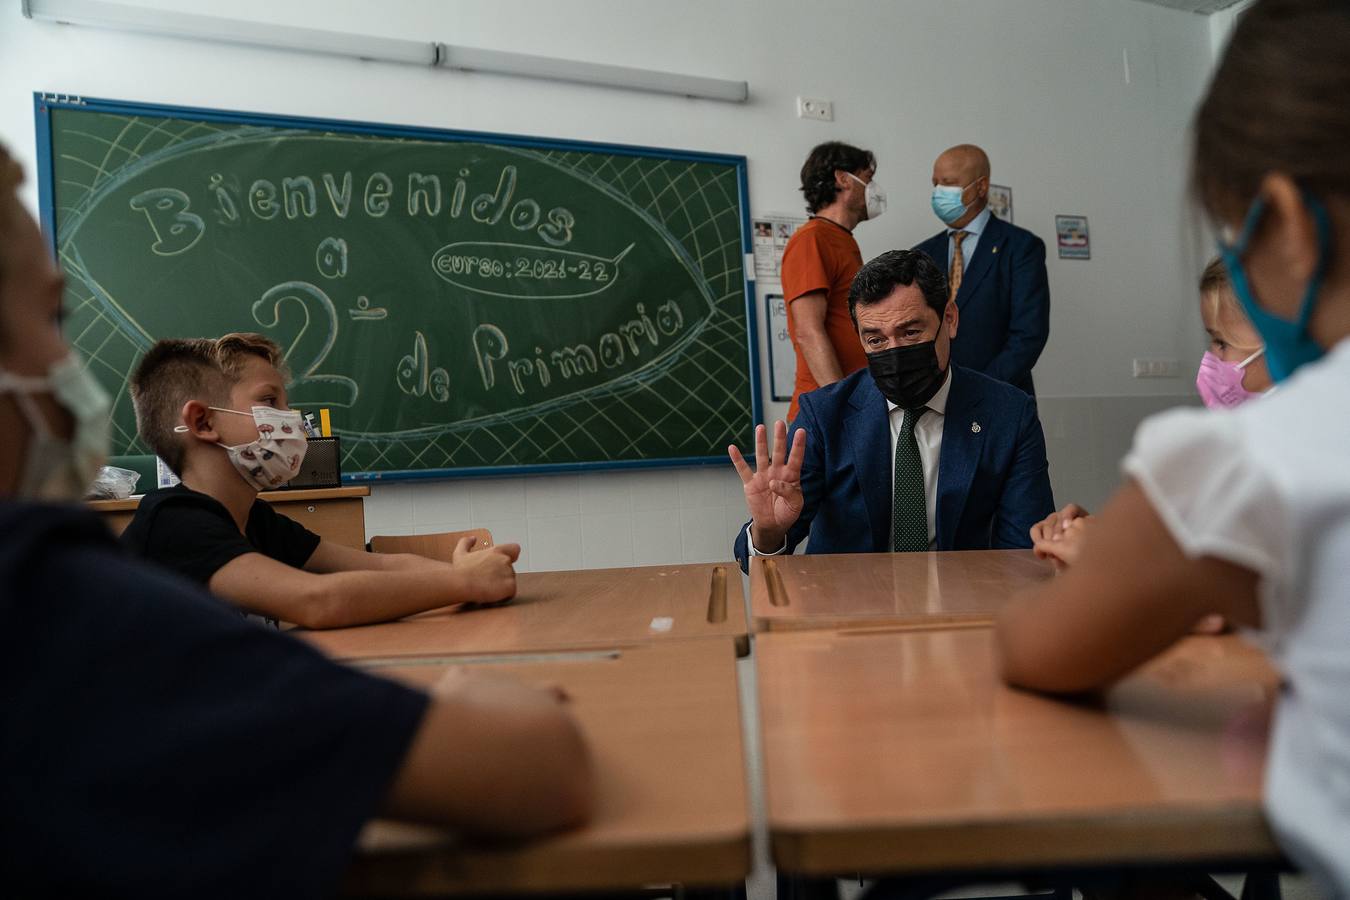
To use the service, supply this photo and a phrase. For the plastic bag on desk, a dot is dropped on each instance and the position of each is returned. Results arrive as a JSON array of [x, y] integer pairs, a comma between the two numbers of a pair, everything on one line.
[[113, 483]]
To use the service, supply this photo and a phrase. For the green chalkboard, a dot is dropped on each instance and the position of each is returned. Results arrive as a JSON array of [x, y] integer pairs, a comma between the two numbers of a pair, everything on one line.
[[462, 303]]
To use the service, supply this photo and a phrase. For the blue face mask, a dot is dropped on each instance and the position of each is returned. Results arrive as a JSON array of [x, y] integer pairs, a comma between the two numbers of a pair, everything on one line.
[[947, 203], [1288, 345]]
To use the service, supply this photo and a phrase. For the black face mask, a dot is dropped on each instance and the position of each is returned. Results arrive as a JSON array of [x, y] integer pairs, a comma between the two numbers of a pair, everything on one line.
[[907, 376]]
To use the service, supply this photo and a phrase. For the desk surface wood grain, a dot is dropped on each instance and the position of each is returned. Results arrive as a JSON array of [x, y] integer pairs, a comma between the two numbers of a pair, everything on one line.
[[566, 611], [905, 752], [861, 590], [663, 723]]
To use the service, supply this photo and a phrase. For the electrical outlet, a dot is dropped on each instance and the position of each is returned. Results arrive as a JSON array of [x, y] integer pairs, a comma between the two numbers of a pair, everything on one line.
[[814, 108], [1156, 368]]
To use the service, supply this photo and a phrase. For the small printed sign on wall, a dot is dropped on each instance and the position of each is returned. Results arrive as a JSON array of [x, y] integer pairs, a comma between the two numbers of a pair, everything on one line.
[[1000, 201], [782, 358], [1071, 233]]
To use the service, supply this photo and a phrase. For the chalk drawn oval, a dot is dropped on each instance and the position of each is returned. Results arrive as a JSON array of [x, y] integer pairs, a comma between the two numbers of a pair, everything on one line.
[[671, 292], [525, 271]]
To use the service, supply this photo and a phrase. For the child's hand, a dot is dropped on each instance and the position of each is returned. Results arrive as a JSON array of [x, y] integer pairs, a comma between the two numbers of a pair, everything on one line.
[[1053, 525], [489, 573], [1211, 624], [1066, 543]]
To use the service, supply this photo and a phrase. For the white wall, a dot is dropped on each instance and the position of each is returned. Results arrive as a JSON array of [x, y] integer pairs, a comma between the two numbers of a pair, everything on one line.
[[1039, 83], [1221, 26]]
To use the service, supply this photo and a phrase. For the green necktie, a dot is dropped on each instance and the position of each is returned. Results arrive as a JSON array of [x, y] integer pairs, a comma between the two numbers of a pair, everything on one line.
[[909, 513]]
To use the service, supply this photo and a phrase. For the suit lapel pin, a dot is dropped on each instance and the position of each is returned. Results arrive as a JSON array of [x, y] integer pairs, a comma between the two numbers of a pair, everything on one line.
[[974, 427], [995, 250]]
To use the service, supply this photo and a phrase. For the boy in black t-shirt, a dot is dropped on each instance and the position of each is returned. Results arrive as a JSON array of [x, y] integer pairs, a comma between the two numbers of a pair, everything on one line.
[[215, 412], [152, 743]]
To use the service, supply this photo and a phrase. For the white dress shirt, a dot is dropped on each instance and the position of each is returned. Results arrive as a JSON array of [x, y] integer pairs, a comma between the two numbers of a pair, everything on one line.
[[974, 228], [928, 435]]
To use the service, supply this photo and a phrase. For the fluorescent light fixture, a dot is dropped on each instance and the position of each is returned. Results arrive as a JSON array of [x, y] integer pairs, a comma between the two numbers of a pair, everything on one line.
[[501, 62], [121, 17]]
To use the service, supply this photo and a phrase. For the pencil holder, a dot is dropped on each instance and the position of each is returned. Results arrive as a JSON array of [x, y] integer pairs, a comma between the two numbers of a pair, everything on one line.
[[322, 467]]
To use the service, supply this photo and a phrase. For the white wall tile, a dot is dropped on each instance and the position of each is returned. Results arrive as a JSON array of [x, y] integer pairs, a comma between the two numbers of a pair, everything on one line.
[[733, 519], [388, 509], [704, 534], [496, 498], [607, 540], [555, 543], [437, 527], [552, 495], [656, 538], [442, 503], [656, 490], [607, 492], [708, 486]]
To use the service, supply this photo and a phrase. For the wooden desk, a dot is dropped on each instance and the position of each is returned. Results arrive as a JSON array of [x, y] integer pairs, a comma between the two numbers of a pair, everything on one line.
[[566, 611], [911, 590], [335, 514], [664, 728], [903, 752]]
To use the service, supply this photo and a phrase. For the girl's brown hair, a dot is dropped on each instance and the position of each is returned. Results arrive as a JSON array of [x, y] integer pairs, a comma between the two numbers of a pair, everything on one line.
[[1278, 103]]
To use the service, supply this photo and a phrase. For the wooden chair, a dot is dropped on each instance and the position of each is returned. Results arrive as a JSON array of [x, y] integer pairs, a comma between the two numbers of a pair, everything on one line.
[[435, 546]]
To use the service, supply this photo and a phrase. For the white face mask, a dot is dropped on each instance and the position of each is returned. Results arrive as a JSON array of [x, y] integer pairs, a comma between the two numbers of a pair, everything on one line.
[[873, 194], [274, 458], [53, 468]]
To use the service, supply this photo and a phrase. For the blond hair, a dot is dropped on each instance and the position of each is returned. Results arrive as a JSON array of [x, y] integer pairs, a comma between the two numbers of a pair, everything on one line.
[[176, 371], [1216, 292]]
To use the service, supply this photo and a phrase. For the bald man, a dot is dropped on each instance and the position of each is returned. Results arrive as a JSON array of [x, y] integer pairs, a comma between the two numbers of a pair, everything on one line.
[[996, 272]]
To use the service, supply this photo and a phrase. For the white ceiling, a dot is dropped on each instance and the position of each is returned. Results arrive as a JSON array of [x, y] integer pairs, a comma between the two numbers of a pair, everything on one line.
[[1203, 7]]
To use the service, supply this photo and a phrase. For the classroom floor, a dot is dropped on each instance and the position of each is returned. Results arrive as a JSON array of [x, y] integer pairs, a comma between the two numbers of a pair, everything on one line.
[[761, 884]]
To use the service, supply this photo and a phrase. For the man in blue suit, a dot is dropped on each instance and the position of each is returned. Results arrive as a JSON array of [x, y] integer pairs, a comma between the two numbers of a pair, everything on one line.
[[995, 270], [911, 453]]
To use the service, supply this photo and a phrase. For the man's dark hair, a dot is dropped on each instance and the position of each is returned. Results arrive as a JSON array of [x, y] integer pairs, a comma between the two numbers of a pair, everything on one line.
[[818, 171], [876, 280]]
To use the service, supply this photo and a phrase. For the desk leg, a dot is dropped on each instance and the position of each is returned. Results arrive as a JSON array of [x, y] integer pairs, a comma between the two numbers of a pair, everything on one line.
[[735, 892], [800, 887], [1261, 884]]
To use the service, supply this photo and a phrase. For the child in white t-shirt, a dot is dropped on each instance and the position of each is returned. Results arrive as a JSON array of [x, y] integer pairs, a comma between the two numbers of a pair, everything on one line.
[[1232, 372], [1246, 513]]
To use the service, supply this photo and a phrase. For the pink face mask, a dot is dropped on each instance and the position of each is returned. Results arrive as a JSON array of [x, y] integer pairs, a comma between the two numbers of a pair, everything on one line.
[[1220, 383]]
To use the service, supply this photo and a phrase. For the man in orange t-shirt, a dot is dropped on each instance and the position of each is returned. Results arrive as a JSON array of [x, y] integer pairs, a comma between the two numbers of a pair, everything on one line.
[[820, 261]]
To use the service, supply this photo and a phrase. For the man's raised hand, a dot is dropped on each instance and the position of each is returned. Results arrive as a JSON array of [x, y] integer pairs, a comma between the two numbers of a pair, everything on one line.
[[773, 490]]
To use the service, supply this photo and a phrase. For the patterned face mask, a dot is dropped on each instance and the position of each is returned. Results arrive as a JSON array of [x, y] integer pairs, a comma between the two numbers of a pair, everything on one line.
[[274, 458]]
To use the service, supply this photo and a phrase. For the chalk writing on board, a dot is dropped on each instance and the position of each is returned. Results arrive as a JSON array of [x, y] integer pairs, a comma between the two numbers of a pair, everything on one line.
[[332, 233], [628, 339], [314, 322], [331, 258], [176, 230], [364, 312], [417, 378], [519, 270], [418, 194], [227, 213]]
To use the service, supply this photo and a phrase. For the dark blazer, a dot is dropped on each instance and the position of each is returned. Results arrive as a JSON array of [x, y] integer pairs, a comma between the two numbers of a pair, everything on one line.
[[993, 478], [1004, 302]]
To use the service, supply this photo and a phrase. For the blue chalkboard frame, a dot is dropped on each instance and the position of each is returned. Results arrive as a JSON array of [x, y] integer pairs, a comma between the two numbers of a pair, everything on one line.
[[44, 103]]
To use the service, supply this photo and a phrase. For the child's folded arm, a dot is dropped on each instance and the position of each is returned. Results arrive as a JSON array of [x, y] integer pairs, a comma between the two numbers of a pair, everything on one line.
[[341, 599]]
